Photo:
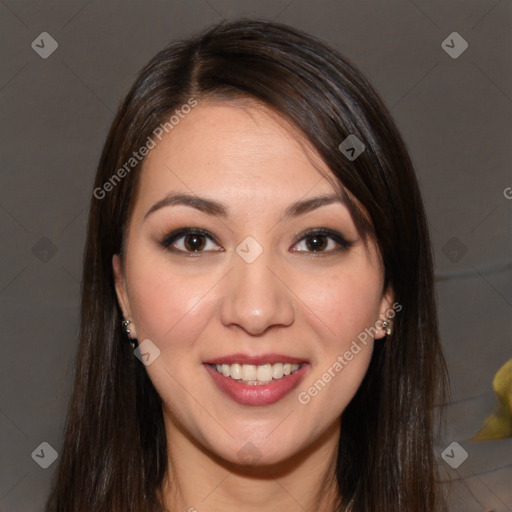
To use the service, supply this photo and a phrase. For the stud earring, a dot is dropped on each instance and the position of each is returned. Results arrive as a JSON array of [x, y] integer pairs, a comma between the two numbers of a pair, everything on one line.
[[387, 327], [132, 341], [125, 324]]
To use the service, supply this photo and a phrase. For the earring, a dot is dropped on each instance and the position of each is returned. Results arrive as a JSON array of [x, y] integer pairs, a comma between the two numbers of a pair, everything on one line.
[[125, 324], [387, 327], [132, 341]]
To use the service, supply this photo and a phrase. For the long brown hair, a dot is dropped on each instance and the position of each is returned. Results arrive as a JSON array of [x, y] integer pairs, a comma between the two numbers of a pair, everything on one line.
[[114, 453]]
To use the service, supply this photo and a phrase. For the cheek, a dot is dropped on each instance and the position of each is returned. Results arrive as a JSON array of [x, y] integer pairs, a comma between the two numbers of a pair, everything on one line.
[[345, 307], [173, 310], [344, 304], [170, 308]]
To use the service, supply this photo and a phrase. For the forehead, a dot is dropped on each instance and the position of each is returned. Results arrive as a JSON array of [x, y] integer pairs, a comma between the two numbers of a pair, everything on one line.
[[234, 145]]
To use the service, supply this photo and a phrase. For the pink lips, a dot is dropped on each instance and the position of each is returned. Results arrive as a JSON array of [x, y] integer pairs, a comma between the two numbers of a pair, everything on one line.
[[264, 394]]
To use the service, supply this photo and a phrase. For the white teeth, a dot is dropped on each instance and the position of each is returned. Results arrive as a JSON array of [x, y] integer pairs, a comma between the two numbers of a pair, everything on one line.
[[236, 371], [264, 373], [249, 372], [277, 371], [256, 375]]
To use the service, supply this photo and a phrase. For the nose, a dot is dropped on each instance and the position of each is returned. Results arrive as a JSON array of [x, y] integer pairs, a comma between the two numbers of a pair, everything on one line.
[[256, 296]]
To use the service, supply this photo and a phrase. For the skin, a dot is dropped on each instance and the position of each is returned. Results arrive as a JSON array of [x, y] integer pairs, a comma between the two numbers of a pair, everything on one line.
[[290, 300]]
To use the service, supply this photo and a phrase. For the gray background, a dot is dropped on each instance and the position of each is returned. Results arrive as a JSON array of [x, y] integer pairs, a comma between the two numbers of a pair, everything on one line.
[[455, 115]]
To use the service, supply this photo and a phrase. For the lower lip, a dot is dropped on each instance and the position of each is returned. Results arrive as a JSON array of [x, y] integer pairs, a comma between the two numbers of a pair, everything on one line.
[[264, 394]]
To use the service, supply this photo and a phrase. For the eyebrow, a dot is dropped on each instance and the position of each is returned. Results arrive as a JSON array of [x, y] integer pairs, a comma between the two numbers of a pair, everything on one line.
[[212, 207]]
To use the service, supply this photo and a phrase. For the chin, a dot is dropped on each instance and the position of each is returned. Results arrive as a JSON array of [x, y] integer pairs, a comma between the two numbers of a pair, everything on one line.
[[247, 452]]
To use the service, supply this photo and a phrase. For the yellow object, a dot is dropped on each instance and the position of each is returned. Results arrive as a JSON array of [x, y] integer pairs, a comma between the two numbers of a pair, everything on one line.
[[499, 424]]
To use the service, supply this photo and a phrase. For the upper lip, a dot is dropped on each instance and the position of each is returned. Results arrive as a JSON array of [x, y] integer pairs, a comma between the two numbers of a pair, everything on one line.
[[255, 359]]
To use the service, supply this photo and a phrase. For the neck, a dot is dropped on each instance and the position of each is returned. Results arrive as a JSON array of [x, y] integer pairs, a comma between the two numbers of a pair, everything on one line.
[[198, 480]]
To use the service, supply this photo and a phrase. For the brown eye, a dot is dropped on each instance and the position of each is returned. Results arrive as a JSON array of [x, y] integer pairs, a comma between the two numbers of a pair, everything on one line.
[[318, 240], [194, 242], [189, 241]]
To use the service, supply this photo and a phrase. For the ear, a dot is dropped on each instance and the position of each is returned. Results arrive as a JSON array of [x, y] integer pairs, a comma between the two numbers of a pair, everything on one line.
[[120, 284], [387, 311]]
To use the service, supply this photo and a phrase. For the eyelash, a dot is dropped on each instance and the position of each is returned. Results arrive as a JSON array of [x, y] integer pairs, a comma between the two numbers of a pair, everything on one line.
[[343, 244]]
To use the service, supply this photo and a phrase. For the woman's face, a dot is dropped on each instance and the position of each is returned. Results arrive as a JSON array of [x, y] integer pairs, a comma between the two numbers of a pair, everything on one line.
[[229, 275]]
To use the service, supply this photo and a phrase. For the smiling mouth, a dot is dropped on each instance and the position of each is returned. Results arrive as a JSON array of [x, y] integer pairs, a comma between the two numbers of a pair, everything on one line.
[[257, 375]]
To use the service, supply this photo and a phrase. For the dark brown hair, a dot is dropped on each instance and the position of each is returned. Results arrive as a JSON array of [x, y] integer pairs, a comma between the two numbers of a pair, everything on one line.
[[114, 453]]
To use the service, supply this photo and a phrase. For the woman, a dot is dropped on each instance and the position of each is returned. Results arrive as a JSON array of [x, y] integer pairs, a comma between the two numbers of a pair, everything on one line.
[[257, 234]]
